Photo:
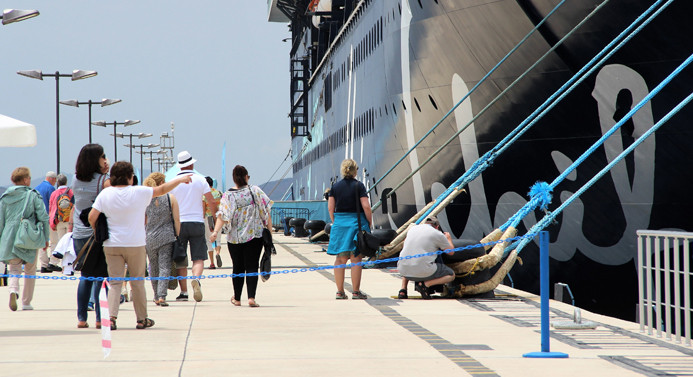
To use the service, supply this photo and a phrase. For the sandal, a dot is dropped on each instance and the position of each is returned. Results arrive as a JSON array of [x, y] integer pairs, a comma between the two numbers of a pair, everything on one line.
[[143, 324], [341, 296], [235, 302], [98, 324], [82, 325], [402, 294], [162, 302], [253, 304], [113, 324], [423, 289], [358, 295]]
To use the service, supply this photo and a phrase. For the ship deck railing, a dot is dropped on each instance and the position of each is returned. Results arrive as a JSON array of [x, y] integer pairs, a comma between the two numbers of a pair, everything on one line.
[[664, 284]]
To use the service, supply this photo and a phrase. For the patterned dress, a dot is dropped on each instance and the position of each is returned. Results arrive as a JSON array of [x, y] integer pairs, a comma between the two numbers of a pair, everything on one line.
[[160, 237], [244, 213]]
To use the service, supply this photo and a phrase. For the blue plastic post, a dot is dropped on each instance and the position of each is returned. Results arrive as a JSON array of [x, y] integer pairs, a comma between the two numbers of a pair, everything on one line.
[[544, 291]]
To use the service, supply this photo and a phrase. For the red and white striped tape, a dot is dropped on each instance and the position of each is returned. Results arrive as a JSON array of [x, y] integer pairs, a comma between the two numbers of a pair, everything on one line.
[[105, 320]]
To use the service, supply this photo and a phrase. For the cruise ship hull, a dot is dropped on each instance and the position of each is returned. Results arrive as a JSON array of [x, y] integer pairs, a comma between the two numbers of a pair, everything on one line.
[[395, 68]]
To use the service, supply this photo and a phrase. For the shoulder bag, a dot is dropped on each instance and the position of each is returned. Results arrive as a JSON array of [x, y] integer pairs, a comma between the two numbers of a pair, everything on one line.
[[30, 234], [366, 243], [83, 254], [266, 259], [179, 252]]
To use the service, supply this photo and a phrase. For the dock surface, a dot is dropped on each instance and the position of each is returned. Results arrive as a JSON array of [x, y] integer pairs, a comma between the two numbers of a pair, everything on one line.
[[301, 330]]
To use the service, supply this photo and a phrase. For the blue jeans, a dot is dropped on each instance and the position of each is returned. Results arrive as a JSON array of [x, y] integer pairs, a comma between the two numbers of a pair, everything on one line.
[[84, 291]]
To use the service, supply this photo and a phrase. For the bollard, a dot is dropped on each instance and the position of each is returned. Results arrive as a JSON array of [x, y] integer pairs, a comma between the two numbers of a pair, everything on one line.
[[545, 352]]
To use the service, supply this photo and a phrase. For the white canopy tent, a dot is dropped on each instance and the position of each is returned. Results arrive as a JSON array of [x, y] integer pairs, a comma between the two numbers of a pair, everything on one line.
[[15, 133]]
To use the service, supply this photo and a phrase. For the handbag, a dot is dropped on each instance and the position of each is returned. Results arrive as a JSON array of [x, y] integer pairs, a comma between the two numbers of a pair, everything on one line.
[[266, 259], [30, 234], [83, 254], [265, 265], [366, 243], [179, 251]]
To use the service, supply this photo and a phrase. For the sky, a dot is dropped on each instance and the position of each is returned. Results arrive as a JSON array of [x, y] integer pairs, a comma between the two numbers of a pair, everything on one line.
[[217, 69]]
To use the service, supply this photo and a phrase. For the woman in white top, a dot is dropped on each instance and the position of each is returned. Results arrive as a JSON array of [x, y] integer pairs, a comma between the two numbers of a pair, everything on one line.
[[124, 206]]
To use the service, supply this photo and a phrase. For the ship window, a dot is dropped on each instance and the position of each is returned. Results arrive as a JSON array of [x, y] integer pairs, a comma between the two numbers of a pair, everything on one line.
[[328, 92], [433, 102], [417, 104], [386, 113], [420, 5], [404, 106], [400, 8], [394, 110]]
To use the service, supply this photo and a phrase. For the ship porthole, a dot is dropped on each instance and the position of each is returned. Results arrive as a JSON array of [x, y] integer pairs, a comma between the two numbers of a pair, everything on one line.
[[433, 102]]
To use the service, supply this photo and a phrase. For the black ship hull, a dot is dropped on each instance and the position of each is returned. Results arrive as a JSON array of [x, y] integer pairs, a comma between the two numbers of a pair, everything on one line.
[[383, 78]]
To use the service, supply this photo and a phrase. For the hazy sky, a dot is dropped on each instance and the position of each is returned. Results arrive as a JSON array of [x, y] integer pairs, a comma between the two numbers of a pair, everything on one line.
[[217, 69]]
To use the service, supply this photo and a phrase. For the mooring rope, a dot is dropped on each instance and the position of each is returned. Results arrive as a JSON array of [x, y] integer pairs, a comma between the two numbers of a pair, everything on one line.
[[549, 217], [541, 192]]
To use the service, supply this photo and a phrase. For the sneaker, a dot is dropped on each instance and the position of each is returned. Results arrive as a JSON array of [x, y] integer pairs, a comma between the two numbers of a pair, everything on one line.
[[183, 296], [122, 299], [46, 270], [358, 295], [13, 301], [197, 291], [219, 264], [423, 289], [27, 307], [90, 307], [55, 268]]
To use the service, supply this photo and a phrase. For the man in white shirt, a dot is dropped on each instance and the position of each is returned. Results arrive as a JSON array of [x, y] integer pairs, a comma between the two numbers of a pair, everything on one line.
[[429, 270], [192, 223]]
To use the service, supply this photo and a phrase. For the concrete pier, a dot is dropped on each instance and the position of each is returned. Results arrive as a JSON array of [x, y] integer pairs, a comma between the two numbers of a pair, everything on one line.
[[301, 330]]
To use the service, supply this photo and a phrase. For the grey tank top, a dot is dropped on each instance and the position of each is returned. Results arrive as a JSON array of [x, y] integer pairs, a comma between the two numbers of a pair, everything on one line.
[[160, 225], [85, 194]]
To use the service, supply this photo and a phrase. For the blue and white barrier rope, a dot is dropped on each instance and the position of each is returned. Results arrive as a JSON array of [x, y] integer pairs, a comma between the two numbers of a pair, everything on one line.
[[276, 272]]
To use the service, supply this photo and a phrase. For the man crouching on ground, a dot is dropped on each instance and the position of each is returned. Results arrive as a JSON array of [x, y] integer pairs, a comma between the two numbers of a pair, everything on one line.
[[429, 270]]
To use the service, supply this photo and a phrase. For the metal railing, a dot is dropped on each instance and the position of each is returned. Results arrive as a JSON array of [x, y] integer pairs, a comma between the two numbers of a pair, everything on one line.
[[664, 283], [279, 214]]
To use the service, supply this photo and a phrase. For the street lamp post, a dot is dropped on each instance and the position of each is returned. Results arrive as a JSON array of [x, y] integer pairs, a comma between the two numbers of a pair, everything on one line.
[[158, 160], [77, 74], [15, 15], [151, 159], [127, 123], [140, 135], [141, 152], [103, 102]]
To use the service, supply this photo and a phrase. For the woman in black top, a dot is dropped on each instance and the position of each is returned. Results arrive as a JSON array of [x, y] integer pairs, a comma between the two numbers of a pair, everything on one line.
[[342, 205]]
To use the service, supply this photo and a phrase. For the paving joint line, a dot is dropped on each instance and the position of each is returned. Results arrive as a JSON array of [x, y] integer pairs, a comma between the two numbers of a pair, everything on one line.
[[459, 358]]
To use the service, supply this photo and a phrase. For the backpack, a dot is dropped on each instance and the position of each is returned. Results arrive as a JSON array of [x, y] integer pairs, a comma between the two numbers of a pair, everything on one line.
[[64, 209]]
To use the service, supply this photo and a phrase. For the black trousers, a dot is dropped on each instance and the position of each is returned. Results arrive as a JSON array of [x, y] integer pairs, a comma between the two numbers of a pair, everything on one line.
[[246, 259]]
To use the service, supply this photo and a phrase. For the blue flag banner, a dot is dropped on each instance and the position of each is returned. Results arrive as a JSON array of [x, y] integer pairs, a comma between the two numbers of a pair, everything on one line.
[[223, 168]]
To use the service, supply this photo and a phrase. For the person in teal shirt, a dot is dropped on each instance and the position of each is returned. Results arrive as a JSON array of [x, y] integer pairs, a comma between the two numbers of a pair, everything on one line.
[[12, 210]]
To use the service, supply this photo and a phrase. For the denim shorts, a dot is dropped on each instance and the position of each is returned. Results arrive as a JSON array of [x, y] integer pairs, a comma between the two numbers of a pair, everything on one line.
[[194, 233]]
